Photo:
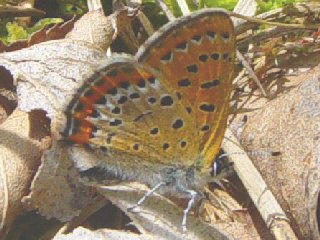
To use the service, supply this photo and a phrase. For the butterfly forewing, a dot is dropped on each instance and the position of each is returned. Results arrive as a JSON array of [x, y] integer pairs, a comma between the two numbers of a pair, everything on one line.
[[195, 53], [129, 109]]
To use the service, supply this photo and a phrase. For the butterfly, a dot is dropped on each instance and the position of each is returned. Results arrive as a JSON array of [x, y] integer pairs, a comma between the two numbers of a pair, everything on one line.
[[159, 117]]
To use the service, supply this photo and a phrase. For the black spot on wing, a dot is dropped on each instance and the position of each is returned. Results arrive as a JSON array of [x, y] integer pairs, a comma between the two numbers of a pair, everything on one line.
[[115, 122], [210, 84], [203, 58], [112, 91], [207, 107], [178, 123], [134, 96], [193, 68], [166, 101], [182, 46], [122, 99], [215, 56], [112, 73], [184, 82]]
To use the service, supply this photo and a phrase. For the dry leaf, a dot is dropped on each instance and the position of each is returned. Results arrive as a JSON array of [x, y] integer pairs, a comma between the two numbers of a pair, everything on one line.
[[56, 191], [96, 28], [47, 76], [19, 159], [101, 234], [57, 31], [290, 124]]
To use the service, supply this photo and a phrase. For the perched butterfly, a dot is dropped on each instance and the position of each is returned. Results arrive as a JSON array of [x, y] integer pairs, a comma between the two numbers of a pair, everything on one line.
[[159, 117]]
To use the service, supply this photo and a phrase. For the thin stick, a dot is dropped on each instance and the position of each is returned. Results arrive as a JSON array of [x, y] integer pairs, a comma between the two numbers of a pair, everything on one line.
[[183, 7], [251, 72], [257, 20], [166, 10], [10, 11]]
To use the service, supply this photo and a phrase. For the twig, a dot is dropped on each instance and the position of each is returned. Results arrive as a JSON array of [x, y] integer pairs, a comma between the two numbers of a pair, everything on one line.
[[261, 196], [146, 23], [267, 34], [11, 11], [251, 72], [183, 7], [244, 7], [165, 10], [94, 5], [257, 20]]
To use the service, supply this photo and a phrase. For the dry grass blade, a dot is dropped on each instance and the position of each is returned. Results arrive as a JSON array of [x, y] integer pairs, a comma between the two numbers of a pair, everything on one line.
[[166, 10], [260, 21], [183, 7], [14, 11], [251, 73]]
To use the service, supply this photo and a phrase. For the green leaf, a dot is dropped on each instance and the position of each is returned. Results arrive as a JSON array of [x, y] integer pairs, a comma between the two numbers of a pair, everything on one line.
[[72, 7], [265, 6], [15, 32], [43, 23], [226, 4]]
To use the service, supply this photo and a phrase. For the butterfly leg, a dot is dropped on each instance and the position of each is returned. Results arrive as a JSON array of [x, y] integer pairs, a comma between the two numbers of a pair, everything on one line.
[[149, 193], [193, 195]]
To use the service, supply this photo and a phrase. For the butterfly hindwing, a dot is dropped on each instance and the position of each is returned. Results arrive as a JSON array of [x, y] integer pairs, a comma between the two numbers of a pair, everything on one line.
[[128, 109], [195, 53]]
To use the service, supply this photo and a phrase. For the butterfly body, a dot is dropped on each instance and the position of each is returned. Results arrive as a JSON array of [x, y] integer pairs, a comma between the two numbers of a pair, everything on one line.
[[159, 118]]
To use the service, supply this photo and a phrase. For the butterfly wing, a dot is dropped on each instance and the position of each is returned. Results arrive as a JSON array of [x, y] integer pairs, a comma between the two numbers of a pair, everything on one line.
[[129, 112], [196, 54]]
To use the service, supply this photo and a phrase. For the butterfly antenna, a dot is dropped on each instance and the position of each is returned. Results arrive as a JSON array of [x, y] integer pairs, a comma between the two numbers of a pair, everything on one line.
[[261, 153]]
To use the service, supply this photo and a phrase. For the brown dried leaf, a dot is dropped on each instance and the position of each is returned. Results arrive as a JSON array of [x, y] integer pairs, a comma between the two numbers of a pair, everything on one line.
[[50, 73], [19, 159], [55, 190], [290, 124], [47, 76], [96, 28], [57, 31], [101, 234]]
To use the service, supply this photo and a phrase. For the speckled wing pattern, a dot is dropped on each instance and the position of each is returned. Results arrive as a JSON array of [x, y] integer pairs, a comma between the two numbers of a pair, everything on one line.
[[170, 104], [128, 109], [196, 54]]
